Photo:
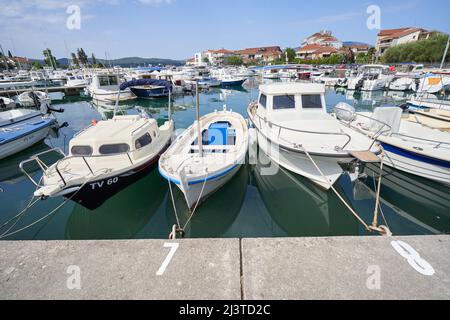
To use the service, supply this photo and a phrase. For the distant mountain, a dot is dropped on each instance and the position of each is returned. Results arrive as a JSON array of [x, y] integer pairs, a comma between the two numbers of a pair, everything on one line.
[[355, 43], [125, 62]]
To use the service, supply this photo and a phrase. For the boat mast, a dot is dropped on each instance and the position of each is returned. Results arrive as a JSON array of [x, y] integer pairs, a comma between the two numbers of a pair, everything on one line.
[[199, 129], [170, 104], [445, 52]]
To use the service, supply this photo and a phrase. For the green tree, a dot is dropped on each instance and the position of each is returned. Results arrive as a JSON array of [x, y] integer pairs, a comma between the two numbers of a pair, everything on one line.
[[82, 57], [75, 61], [36, 65], [291, 54], [427, 51], [234, 61], [10, 54], [94, 60], [206, 60], [50, 60]]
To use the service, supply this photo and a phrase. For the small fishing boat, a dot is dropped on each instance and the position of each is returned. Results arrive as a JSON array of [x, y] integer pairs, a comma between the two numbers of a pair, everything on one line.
[[76, 81], [31, 98], [409, 146], [20, 136], [149, 88], [199, 167], [230, 80], [103, 159], [402, 84], [208, 82], [428, 103], [6, 103], [295, 130]]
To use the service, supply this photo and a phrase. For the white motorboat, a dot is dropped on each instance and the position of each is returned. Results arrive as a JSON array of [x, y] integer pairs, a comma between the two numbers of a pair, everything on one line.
[[76, 81], [199, 169], [433, 83], [409, 146], [371, 77], [106, 88], [32, 98], [103, 159], [6, 103], [402, 84], [428, 103], [298, 134]]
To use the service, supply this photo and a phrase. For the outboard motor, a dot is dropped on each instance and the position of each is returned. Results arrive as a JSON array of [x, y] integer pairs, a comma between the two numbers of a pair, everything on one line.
[[344, 112], [359, 84], [2, 104], [36, 100]]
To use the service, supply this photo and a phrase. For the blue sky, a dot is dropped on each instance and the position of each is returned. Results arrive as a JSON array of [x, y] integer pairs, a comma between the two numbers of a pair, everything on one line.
[[179, 28]]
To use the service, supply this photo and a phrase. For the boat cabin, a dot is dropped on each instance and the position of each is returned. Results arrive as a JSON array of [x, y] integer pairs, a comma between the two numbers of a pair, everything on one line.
[[108, 82], [294, 105], [130, 135]]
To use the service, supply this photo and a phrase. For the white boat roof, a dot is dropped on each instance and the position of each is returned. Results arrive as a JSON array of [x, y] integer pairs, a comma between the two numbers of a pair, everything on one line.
[[120, 129], [292, 88]]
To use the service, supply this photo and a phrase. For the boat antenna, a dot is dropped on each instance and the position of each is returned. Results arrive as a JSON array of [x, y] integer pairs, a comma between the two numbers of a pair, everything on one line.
[[199, 130], [170, 104]]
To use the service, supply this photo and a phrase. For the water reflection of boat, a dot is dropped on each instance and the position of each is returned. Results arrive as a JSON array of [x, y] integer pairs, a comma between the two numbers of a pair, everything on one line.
[[9, 168], [217, 214], [300, 207], [426, 201], [112, 220]]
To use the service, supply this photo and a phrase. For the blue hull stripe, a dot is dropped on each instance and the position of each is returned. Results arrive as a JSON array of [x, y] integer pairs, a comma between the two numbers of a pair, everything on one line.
[[415, 156], [191, 183], [27, 129]]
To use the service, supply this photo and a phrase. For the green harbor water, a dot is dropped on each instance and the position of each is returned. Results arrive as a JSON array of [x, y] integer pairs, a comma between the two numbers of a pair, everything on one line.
[[250, 205]]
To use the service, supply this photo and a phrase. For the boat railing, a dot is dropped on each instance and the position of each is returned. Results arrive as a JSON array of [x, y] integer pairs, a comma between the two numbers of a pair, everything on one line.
[[388, 129], [42, 165], [45, 167], [438, 143], [281, 128]]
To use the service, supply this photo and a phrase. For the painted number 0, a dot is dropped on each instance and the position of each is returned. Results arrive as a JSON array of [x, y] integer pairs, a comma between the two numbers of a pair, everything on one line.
[[173, 248], [413, 258]]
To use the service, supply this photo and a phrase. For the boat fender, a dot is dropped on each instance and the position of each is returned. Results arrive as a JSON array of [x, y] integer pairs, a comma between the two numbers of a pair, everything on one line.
[[94, 122]]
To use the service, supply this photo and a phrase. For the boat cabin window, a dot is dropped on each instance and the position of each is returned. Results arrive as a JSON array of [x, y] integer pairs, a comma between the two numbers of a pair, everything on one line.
[[311, 101], [263, 100], [283, 102], [108, 81], [107, 149], [81, 151], [143, 141]]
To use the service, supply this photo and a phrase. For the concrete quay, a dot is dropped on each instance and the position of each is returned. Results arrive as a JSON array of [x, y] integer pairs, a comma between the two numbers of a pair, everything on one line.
[[228, 269]]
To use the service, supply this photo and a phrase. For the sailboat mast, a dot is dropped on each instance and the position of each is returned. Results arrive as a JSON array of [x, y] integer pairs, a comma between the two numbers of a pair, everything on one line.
[[199, 129], [445, 52]]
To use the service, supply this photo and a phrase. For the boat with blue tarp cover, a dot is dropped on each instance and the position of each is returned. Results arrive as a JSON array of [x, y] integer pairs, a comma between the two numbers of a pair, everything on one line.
[[149, 88]]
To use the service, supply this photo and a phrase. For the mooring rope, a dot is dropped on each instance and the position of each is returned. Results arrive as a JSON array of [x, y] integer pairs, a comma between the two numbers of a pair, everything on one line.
[[334, 190], [177, 228], [51, 212]]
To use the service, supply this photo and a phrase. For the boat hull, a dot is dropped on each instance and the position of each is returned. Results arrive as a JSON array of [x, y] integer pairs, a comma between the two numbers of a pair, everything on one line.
[[24, 141], [94, 194], [299, 163], [150, 93], [193, 193], [233, 83], [416, 164]]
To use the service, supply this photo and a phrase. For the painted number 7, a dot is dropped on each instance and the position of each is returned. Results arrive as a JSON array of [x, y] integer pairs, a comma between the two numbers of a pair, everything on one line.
[[173, 248]]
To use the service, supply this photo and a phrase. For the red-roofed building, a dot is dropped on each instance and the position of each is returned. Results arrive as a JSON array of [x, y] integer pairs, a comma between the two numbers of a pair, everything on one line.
[[217, 57], [323, 38], [315, 51], [265, 54], [393, 37]]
